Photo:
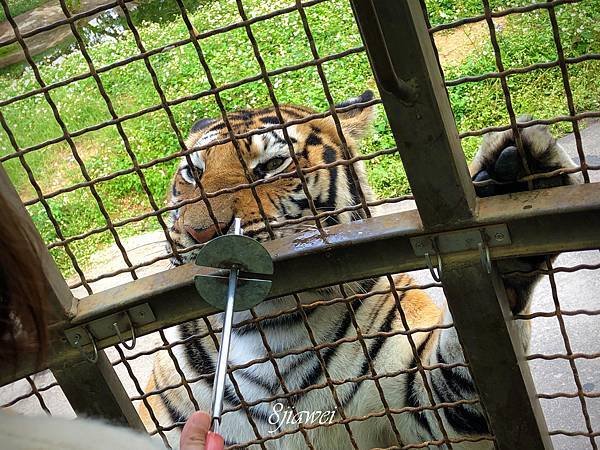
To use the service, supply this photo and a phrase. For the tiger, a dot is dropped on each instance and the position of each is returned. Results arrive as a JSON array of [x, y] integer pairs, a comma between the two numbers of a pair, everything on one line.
[[266, 156]]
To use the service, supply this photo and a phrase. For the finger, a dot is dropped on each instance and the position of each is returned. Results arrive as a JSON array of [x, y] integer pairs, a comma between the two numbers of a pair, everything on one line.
[[214, 441], [193, 436]]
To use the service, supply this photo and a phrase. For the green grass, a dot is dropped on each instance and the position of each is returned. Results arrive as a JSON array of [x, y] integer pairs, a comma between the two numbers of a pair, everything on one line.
[[524, 40]]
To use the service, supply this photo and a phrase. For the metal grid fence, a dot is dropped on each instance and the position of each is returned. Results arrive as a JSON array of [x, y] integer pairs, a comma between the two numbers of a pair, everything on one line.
[[539, 229]]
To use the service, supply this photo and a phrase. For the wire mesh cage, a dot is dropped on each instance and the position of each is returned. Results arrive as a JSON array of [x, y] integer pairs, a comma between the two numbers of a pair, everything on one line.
[[170, 122]]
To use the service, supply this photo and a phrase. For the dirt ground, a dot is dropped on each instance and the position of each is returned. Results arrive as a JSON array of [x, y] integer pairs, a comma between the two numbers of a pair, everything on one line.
[[455, 45], [39, 17]]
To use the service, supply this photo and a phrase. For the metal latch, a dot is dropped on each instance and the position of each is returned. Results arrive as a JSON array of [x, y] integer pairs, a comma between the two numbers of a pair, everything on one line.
[[116, 324], [459, 241]]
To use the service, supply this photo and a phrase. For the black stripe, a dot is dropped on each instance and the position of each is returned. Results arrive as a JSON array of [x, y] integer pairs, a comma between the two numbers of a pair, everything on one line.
[[272, 120], [284, 321], [376, 347], [329, 156], [196, 354], [457, 384], [327, 354], [291, 112], [284, 209], [450, 386], [466, 420], [298, 360], [367, 284], [301, 203], [248, 143], [313, 139], [341, 332], [316, 177], [175, 415], [199, 359], [283, 141], [250, 378], [244, 114], [354, 195], [412, 398], [373, 352], [259, 411], [271, 199], [421, 348], [217, 127]]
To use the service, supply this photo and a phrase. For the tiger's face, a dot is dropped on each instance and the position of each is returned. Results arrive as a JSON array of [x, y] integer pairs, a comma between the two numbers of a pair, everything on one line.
[[272, 171]]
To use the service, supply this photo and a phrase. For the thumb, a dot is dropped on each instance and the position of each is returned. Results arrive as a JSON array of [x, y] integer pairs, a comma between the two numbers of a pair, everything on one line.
[[195, 434]]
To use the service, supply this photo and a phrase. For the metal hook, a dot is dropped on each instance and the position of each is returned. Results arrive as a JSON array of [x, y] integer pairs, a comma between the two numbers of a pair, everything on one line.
[[484, 254], [436, 276], [133, 337], [77, 343]]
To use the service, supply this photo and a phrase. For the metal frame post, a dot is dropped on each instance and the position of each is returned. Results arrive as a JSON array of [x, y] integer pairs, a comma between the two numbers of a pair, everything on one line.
[[416, 102], [413, 93]]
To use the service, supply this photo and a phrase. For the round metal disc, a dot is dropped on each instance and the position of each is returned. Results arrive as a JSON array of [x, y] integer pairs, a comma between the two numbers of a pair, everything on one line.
[[232, 250], [243, 253], [249, 292]]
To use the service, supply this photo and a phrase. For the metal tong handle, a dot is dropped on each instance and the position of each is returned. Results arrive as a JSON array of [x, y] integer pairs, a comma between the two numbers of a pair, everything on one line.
[[221, 370]]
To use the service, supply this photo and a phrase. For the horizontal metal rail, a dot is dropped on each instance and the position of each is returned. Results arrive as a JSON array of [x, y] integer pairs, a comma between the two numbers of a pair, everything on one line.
[[544, 221]]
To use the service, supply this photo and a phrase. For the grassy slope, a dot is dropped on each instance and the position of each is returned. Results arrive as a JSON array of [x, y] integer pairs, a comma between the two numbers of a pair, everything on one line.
[[282, 42]]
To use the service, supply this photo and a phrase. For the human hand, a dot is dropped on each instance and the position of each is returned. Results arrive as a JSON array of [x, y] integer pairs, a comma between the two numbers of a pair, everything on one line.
[[196, 434]]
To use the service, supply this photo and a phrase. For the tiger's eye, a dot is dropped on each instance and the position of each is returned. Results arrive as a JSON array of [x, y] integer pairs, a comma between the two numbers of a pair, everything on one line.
[[197, 172], [274, 163], [191, 174]]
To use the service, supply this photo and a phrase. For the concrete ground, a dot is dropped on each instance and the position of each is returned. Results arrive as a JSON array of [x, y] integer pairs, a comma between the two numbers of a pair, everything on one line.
[[578, 290]]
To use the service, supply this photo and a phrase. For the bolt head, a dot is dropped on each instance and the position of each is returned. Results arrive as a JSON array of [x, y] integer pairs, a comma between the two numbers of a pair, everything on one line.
[[499, 236], [419, 244]]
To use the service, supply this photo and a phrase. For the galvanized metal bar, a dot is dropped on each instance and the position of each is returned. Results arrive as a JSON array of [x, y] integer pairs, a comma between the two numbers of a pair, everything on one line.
[[416, 102], [543, 221], [96, 391], [77, 379], [495, 354], [428, 141]]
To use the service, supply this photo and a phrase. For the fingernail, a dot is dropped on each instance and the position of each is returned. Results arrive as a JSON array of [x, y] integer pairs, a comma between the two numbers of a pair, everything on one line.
[[214, 441]]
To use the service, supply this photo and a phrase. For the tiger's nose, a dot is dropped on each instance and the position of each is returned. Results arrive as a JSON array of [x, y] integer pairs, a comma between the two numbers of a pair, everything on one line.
[[202, 235]]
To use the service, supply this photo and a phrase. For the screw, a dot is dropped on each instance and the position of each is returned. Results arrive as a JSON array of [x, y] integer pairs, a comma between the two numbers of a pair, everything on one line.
[[499, 236], [141, 313]]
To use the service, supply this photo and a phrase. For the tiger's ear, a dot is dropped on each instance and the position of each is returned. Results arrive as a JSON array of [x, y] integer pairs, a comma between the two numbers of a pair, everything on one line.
[[356, 122], [201, 124]]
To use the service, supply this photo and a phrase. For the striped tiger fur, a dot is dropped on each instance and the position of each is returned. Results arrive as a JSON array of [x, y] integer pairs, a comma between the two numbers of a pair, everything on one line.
[[266, 155]]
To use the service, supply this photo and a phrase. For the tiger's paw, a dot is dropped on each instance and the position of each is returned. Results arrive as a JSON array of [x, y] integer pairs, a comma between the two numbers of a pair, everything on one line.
[[498, 167]]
